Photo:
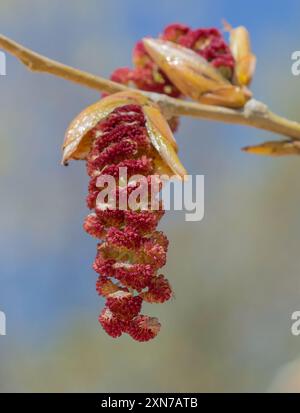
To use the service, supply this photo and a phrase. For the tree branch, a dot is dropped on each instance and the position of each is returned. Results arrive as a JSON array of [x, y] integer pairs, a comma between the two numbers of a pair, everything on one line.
[[254, 114]]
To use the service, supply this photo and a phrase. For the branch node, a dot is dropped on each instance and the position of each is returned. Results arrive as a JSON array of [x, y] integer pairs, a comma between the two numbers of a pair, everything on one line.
[[255, 108]]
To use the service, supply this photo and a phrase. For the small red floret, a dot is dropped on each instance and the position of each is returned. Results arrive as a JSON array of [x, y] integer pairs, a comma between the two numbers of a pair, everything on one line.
[[173, 32], [93, 226], [144, 328], [111, 324], [159, 290], [124, 304], [105, 286]]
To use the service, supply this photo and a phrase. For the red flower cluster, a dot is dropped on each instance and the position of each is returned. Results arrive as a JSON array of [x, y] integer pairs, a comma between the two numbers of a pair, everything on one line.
[[146, 75], [131, 251], [208, 43]]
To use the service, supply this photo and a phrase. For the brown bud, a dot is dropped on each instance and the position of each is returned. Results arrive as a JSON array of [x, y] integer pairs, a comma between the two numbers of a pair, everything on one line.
[[194, 76]]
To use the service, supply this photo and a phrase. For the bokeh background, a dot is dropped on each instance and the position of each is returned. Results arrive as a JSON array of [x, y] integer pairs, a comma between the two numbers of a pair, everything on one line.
[[236, 274]]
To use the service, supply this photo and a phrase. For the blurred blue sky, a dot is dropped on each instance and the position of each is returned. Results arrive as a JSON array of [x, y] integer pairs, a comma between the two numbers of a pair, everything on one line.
[[46, 281]]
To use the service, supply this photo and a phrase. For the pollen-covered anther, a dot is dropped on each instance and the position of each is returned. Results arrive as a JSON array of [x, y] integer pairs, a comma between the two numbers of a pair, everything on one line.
[[122, 75], [142, 166], [93, 192], [115, 153], [153, 253], [144, 328], [124, 304], [104, 286], [104, 266], [93, 226], [173, 32], [159, 290], [110, 323], [161, 239], [136, 276], [127, 238], [143, 221], [210, 44], [110, 217]]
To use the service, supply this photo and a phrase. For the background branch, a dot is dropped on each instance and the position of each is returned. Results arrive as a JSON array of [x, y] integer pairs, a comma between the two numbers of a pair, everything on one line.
[[254, 114]]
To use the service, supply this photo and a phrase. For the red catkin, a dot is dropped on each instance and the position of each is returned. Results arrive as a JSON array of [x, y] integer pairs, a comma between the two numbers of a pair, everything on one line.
[[130, 250]]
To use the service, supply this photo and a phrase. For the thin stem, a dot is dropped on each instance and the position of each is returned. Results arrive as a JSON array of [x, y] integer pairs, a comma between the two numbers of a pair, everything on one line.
[[39, 63], [254, 114]]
